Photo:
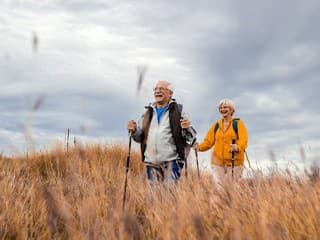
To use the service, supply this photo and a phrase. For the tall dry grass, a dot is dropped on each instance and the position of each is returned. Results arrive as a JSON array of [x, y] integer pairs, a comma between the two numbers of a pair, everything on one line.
[[78, 195]]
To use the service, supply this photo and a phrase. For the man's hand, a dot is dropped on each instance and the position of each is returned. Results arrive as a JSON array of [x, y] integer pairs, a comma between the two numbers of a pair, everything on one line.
[[132, 126], [185, 123], [234, 148]]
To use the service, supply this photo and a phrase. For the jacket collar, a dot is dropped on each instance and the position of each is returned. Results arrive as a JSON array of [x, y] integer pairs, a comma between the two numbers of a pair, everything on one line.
[[154, 104]]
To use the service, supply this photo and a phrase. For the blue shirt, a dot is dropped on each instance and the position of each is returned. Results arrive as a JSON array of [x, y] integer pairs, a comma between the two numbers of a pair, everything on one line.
[[160, 111]]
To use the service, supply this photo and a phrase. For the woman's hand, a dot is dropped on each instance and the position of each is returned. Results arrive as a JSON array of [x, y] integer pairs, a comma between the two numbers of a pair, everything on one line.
[[234, 148], [195, 146]]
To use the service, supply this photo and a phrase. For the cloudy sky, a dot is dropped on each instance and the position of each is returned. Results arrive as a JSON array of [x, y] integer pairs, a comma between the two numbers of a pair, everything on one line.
[[73, 64]]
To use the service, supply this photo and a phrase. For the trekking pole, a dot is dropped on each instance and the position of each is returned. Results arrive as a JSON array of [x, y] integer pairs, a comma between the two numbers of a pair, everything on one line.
[[127, 170], [232, 159], [245, 152], [184, 133], [196, 152], [186, 171]]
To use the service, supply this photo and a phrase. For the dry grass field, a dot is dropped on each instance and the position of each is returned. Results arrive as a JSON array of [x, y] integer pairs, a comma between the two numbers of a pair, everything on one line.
[[78, 195]]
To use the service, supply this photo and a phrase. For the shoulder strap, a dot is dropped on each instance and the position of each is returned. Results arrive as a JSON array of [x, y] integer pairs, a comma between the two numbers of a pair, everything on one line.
[[180, 106], [235, 126], [216, 127], [147, 117]]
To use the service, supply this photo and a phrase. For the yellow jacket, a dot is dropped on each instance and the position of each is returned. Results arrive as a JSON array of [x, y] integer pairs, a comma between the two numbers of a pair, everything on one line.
[[221, 141]]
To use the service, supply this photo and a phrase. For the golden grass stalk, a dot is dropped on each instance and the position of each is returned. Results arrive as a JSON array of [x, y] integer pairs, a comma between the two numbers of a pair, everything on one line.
[[78, 195]]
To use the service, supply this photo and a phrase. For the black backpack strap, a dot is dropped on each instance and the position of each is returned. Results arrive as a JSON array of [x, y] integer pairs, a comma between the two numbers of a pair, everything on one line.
[[235, 126], [216, 127], [180, 106]]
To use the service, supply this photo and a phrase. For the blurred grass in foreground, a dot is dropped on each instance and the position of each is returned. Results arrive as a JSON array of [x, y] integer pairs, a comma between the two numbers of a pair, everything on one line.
[[78, 195]]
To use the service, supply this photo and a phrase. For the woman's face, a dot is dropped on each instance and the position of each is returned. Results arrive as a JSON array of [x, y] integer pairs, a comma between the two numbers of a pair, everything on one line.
[[225, 110]]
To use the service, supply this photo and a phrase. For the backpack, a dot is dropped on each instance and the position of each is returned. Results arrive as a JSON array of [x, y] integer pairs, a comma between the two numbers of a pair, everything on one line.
[[234, 126]]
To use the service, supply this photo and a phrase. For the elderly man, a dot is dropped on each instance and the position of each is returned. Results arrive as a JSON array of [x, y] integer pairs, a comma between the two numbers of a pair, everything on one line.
[[165, 135]]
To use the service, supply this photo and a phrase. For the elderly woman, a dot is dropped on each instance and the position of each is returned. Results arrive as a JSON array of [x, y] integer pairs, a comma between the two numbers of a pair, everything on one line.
[[229, 138]]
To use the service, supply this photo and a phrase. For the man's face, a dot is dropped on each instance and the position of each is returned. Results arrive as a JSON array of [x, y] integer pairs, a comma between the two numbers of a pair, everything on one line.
[[161, 93]]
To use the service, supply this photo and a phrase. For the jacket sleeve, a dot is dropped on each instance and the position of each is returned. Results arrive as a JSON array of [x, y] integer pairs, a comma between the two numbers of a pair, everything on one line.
[[137, 135], [243, 136], [190, 133], [209, 140]]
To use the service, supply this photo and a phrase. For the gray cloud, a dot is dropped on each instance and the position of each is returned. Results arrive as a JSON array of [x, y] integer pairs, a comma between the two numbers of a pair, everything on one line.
[[264, 55]]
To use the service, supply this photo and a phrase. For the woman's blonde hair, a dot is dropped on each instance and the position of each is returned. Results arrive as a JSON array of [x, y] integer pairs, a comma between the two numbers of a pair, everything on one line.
[[227, 102]]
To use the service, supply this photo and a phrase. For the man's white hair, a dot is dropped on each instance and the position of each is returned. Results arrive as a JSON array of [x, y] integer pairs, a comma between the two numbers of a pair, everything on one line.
[[169, 85], [227, 102]]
